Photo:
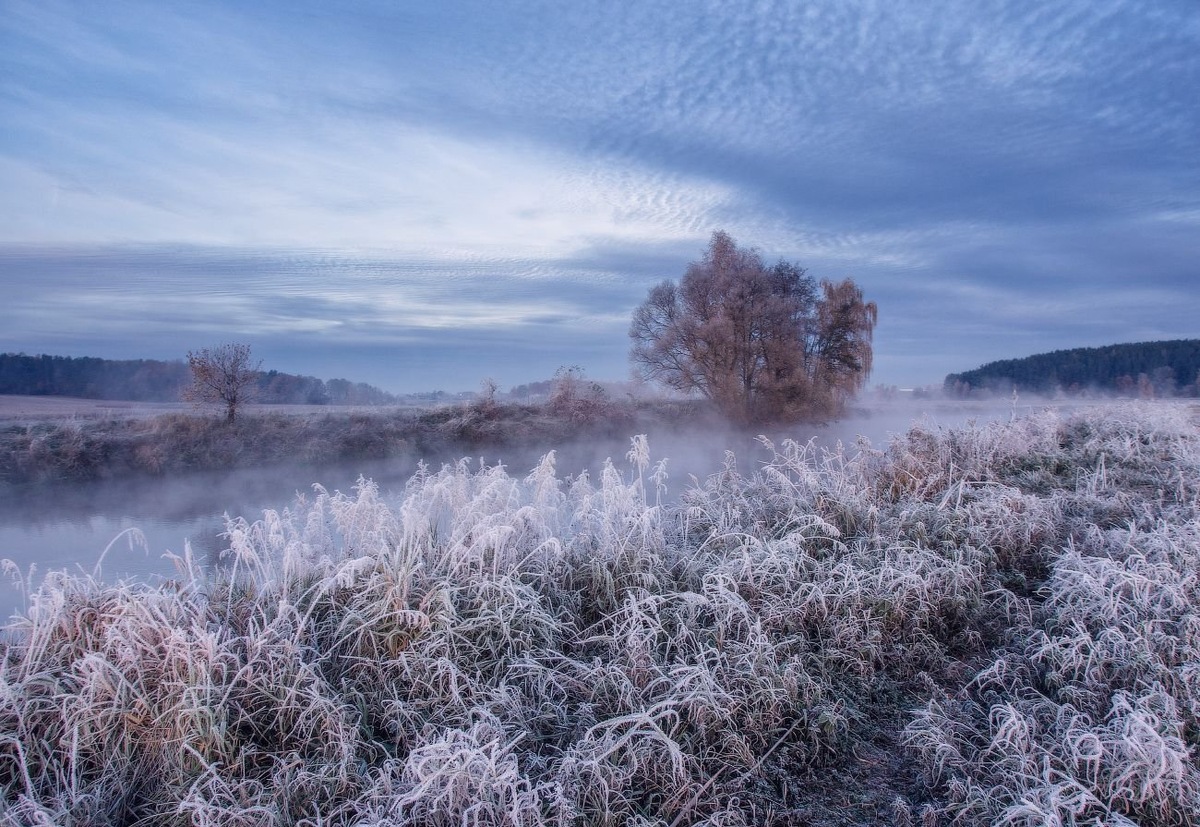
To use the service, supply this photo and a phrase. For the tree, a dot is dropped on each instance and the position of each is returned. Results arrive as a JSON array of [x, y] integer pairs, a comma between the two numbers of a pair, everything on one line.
[[222, 375], [845, 324], [762, 343]]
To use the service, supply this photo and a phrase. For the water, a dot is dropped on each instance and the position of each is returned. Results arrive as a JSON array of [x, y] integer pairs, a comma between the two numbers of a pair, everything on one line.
[[99, 527], [89, 527]]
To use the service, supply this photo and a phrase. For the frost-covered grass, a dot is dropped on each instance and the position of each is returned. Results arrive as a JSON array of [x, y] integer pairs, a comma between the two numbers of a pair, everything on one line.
[[1013, 607], [1092, 714]]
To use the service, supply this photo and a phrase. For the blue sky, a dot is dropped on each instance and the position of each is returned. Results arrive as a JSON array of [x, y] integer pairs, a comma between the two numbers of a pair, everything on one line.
[[421, 195]]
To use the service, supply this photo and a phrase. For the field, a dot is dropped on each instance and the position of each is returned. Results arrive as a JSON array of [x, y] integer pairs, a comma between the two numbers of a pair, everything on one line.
[[35, 409], [50, 441], [991, 624], [30, 409]]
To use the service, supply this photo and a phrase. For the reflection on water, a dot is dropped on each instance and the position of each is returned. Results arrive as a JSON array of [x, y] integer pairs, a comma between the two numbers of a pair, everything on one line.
[[71, 527]]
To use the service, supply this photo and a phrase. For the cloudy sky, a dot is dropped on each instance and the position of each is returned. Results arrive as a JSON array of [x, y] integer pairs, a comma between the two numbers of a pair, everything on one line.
[[421, 195]]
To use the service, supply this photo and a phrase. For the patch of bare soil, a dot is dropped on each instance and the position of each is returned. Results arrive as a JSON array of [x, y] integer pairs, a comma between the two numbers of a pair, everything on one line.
[[877, 783]]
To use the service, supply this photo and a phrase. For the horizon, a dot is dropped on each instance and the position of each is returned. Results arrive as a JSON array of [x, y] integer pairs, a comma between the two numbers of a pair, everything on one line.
[[456, 392], [423, 198]]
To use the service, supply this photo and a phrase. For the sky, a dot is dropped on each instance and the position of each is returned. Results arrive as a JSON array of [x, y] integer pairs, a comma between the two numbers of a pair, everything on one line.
[[424, 195]]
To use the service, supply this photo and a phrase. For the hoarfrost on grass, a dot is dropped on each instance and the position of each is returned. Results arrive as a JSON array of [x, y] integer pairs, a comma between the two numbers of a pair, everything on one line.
[[500, 649]]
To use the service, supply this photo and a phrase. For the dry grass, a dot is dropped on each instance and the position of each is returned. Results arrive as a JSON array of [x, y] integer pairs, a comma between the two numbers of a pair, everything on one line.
[[112, 442], [495, 649]]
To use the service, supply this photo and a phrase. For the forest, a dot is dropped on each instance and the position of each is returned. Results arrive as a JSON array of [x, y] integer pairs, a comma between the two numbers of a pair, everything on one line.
[[150, 380], [1147, 370]]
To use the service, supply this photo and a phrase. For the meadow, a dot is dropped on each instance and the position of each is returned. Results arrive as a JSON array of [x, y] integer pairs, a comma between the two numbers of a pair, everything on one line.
[[990, 624], [52, 441]]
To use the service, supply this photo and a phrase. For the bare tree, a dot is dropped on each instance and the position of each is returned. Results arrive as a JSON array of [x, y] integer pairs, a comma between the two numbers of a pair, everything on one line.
[[756, 340], [222, 375]]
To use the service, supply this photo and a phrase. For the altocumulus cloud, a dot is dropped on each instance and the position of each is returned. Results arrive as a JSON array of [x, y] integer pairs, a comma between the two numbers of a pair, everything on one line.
[[422, 195]]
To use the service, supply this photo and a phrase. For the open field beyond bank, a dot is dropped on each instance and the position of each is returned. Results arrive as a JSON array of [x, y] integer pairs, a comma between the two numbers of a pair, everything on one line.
[[53, 440], [995, 624]]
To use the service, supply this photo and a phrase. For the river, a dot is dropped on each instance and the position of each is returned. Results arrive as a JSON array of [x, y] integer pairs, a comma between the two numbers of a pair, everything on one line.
[[92, 528]]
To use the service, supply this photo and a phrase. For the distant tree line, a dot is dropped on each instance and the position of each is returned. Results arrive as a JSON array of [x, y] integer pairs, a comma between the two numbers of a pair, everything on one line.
[[88, 377], [532, 390], [1143, 369], [149, 380]]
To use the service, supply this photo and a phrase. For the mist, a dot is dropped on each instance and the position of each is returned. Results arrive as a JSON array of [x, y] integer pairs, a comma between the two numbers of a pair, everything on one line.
[[122, 529]]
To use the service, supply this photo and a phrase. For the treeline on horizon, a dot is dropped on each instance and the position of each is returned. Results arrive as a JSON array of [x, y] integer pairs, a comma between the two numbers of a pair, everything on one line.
[[1147, 370], [151, 380]]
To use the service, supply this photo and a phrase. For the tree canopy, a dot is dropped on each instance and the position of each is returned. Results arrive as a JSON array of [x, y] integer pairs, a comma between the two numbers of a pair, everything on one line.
[[763, 343], [1166, 368]]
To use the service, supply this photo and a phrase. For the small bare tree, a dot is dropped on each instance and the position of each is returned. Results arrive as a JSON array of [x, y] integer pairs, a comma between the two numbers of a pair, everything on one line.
[[222, 375]]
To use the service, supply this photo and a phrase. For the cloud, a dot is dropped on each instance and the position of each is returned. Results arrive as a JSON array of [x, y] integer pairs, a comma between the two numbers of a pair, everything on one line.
[[169, 299], [519, 176]]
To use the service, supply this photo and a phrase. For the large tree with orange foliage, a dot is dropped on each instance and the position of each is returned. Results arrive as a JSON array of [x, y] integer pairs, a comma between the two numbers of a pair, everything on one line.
[[764, 343]]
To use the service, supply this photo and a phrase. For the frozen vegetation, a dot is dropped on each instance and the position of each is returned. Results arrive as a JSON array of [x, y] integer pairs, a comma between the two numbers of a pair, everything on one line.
[[995, 624], [111, 444]]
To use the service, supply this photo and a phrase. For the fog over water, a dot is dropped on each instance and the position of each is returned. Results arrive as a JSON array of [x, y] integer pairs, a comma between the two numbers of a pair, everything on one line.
[[92, 527]]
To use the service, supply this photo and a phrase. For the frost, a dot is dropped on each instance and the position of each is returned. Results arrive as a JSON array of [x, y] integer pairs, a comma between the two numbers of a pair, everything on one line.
[[493, 648]]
